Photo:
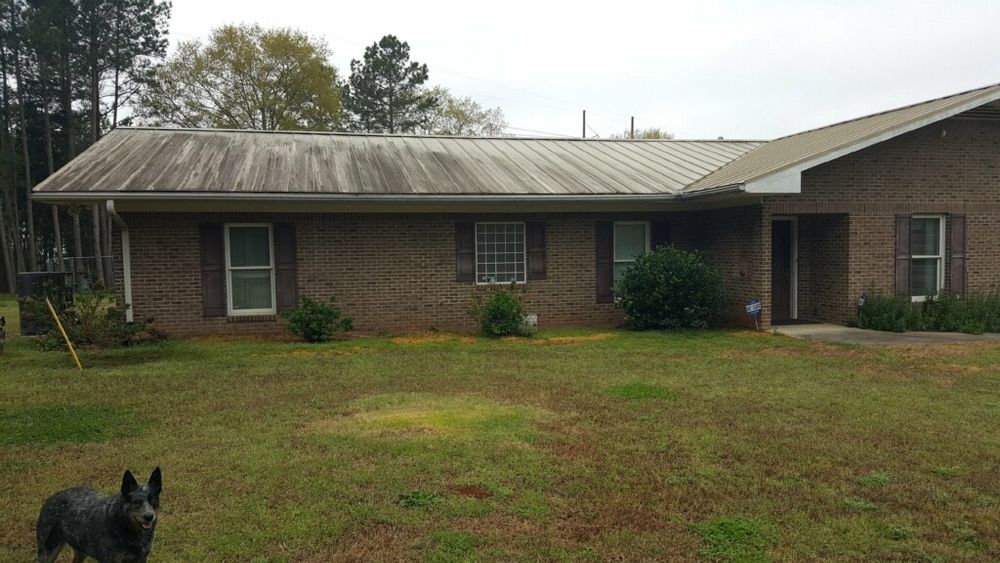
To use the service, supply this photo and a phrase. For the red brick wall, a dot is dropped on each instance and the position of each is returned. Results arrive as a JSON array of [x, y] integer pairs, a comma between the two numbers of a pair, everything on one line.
[[919, 172], [737, 243], [391, 272]]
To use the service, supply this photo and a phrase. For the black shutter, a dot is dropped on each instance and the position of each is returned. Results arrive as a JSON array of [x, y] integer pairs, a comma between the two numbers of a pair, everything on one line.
[[605, 237], [465, 252], [213, 270], [536, 250], [903, 254], [659, 234], [956, 259], [285, 266]]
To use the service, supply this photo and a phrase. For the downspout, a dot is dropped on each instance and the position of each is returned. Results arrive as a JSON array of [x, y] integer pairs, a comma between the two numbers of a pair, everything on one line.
[[126, 259]]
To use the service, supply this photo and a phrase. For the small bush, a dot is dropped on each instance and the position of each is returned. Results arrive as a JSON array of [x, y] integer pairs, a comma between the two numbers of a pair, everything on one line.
[[973, 314], [91, 319], [670, 289], [500, 311], [313, 321], [889, 313]]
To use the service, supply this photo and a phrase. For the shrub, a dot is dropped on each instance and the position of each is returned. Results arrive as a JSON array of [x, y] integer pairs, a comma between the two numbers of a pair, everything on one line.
[[947, 312], [889, 313], [313, 321], [670, 288], [91, 319], [499, 311]]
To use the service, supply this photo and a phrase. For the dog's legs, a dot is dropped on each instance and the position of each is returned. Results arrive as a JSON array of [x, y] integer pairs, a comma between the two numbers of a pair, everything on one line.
[[48, 555], [49, 545]]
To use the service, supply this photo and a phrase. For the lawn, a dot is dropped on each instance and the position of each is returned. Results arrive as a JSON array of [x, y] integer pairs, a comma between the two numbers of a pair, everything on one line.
[[576, 445]]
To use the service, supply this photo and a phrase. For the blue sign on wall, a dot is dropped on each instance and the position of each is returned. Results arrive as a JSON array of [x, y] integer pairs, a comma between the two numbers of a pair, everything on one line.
[[753, 307]]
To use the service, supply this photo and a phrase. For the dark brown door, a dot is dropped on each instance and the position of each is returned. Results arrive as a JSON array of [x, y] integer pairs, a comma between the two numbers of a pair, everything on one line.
[[781, 271]]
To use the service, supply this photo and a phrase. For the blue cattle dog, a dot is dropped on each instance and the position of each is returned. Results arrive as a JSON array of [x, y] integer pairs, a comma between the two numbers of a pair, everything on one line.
[[110, 528]]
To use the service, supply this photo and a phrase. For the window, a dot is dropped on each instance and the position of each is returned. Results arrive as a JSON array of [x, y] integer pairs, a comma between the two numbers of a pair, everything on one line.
[[249, 269], [500, 253], [927, 256], [631, 241]]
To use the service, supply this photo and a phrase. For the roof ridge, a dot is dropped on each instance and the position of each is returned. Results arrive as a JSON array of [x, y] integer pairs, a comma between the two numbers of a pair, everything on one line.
[[883, 112], [421, 136]]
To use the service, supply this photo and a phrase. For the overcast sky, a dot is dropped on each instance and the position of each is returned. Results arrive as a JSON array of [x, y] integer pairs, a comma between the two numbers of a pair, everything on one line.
[[700, 69]]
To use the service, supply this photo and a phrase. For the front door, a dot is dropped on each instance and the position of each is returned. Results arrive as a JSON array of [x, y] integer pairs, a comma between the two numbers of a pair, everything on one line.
[[782, 248]]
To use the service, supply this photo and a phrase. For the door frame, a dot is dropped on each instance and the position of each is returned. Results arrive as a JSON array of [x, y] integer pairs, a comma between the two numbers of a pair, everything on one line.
[[793, 306]]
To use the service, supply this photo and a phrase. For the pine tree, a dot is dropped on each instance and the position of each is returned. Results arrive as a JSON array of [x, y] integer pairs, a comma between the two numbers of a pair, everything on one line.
[[383, 93]]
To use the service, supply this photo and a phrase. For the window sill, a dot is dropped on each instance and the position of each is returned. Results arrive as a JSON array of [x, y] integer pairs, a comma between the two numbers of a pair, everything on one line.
[[251, 318]]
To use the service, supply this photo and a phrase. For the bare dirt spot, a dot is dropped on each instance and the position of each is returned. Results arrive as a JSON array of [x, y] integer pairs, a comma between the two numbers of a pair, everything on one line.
[[556, 340], [473, 491], [433, 338], [314, 352]]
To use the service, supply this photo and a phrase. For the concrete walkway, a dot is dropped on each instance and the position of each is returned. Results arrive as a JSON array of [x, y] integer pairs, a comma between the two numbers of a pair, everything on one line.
[[848, 335]]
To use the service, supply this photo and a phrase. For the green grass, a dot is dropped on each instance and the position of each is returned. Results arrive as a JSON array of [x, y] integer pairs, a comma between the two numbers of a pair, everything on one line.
[[60, 423], [734, 539], [575, 445]]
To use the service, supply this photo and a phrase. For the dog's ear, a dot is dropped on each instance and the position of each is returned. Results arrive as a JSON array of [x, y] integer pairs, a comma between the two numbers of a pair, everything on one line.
[[155, 482], [129, 483], [3, 321]]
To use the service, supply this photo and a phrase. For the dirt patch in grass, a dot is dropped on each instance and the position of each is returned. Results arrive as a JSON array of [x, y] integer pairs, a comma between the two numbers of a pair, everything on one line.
[[642, 391], [53, 424], [317, 352], [557, 340], [473, 491], [433, 338]]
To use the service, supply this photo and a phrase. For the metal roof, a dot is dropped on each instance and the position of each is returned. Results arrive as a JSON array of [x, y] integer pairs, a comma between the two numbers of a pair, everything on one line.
[[132, 160], [160, 162], [810, 148]]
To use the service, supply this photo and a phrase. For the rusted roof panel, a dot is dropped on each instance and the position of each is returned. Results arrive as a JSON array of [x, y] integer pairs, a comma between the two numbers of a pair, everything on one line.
[[220, 161]]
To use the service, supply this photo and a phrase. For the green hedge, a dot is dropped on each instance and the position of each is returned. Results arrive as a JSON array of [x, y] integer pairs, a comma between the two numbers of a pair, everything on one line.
[[973, 314]]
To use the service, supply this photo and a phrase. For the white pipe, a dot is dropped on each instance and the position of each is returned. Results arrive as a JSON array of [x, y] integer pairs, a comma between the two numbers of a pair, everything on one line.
[[126, 259]]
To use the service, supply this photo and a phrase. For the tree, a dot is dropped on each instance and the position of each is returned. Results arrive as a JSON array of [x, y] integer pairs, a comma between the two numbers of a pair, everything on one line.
[[461, 116], [383, 93], [247, 77], [649, 133]]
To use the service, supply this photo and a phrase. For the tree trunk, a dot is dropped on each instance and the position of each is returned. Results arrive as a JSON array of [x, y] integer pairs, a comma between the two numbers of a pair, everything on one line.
[[32, 257], [56, 227], [7, 146], [8, 263]]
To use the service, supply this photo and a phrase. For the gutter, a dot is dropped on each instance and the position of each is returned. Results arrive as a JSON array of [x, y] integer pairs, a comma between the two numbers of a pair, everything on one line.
[[359, 198], [54, 197], [126, 259]]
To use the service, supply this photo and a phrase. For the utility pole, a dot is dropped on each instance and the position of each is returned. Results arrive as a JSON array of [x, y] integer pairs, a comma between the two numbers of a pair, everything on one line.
[[631, 129], [584, 124]]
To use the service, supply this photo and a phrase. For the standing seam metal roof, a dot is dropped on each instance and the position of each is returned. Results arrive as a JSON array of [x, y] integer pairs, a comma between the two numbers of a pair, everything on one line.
[[220, 161], [214, 161]]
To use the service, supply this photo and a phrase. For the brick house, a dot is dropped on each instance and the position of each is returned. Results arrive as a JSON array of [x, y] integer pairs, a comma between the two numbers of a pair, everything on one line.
[[218, 231]]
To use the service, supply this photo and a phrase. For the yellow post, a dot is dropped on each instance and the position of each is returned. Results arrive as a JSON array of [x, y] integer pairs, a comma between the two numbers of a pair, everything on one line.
[[62, 331]]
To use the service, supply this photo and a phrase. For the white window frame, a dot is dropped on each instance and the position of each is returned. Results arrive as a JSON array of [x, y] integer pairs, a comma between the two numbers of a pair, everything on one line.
[[614, 246], [940, 256], [229, 273], [524, 249]]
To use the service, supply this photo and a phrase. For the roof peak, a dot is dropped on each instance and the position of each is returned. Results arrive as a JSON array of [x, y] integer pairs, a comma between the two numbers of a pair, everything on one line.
[[419, 136]]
